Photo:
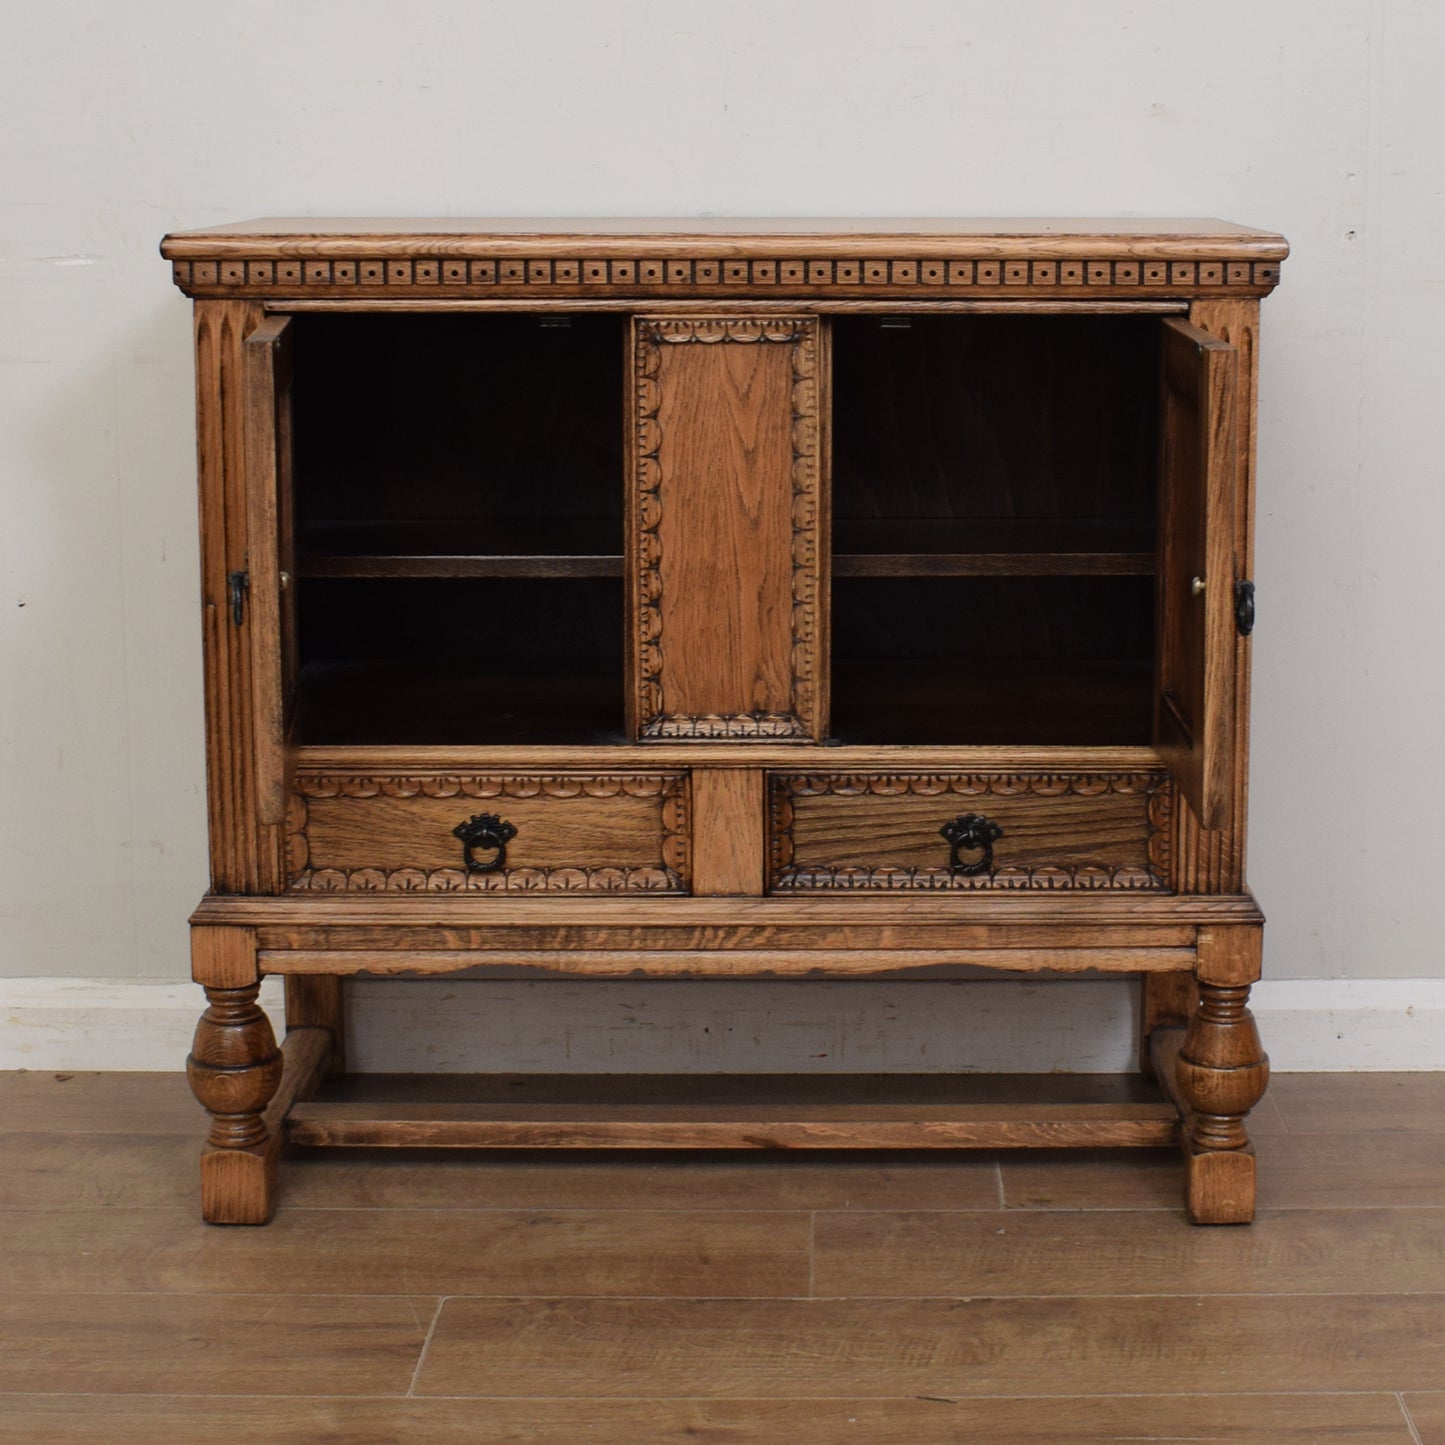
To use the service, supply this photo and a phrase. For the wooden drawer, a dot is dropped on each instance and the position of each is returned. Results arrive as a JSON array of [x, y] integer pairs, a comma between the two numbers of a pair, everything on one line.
[[885, 831], [563, 833]]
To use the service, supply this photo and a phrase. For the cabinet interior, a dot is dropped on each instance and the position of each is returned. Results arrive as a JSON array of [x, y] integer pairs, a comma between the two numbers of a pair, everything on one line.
[[458, 492], [459, 485], [995, 501]]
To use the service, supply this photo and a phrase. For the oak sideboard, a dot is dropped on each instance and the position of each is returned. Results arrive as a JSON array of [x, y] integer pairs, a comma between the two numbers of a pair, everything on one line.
[[727, 599]]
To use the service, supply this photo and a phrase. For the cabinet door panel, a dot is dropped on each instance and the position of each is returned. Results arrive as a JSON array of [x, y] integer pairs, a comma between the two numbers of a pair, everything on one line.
[[269, 606], [1196, 567], [725, 528]]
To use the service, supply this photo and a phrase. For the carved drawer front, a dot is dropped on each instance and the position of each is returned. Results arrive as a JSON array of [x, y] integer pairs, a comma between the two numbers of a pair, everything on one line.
[[968, 831], [494, 833]]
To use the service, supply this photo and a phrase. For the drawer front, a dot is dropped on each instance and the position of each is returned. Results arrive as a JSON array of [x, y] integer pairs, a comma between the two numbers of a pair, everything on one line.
[[1012, 831], [520, 833]]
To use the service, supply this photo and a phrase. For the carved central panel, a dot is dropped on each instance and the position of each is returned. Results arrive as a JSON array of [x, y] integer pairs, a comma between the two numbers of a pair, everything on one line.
[[725, 536]]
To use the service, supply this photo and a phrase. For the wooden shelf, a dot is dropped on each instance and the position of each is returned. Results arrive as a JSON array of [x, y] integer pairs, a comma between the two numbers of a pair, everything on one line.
[[565, 547], [992, 547], [461, 702], [737, 1112]]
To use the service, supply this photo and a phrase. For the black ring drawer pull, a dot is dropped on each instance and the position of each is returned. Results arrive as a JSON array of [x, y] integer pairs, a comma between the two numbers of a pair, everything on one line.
[[971, 833], [491, 834]]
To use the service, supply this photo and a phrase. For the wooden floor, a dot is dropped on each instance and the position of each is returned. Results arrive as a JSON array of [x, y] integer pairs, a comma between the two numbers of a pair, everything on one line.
[[633, 1299]]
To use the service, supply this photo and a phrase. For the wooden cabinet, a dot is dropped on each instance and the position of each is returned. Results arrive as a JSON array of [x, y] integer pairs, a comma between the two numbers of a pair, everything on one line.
[[723, 599]]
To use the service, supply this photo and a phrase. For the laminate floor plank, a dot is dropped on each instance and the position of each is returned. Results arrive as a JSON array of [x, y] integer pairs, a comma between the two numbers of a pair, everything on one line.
[[372, 1252], [273, 1344], [96, 1103], [529, 1179], [86, 1171], [1367, 1419], [822, 1348], [96, 1171], [1353, 1103], [1099, 1252], [1427, 1414], [1296, 1171]]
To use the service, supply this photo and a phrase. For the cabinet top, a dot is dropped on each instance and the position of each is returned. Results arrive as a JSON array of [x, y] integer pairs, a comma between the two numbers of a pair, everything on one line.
[[884, 258]]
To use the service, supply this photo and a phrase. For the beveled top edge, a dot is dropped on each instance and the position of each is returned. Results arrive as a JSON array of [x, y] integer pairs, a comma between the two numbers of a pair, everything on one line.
[[324, 237]]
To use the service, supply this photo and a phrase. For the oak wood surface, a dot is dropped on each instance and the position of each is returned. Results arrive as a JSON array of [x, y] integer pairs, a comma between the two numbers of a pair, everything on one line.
[[565, 825], [1213, 860], [1003, 1126], [822, 826], [1023, 909], [724, 526], [269, 602], [725, 962], [993, 550], [1022, 232], [727, 831], [1199, 473]]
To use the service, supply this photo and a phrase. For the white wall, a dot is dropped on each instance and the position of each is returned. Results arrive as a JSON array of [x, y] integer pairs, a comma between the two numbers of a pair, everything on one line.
[[121, 121]]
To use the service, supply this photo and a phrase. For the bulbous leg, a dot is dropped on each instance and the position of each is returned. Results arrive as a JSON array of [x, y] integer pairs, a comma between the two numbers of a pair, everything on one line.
[[1221, 1072], [234, 1069]]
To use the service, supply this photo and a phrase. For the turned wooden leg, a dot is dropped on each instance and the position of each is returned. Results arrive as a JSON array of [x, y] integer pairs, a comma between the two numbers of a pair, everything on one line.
[[1221, 1072], [234, 1069]]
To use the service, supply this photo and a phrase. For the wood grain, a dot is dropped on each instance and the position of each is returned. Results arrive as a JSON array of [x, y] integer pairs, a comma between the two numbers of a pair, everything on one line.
[[1113, 1252], [727, 831], [1365, 1419], [268, 609], [581, 1179], [695, 1126], [77, 1102], [807, 1349], [55, 1170], [256, 1344], [574, 821], [826, 831], [1093, 913], [1199, 473], [1355, 1170], [724, 527], [1427, 1414], [347, 1252], [1348, 1103]]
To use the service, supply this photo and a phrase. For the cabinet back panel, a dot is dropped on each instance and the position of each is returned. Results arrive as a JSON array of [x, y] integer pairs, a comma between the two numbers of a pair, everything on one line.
[[464, 418], [995, 417]]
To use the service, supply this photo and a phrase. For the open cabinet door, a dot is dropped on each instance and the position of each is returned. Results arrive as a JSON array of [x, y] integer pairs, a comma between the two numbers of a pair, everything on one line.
[[1195, 723], [268, 602]]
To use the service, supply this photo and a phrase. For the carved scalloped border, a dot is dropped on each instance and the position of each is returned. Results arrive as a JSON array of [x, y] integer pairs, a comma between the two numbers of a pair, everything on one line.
[[682, 275], [799, 333], [788, 877], [669, 877]]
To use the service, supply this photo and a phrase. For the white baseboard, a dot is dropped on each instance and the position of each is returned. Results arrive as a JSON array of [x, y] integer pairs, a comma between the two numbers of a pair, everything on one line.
[[691, 1026]]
